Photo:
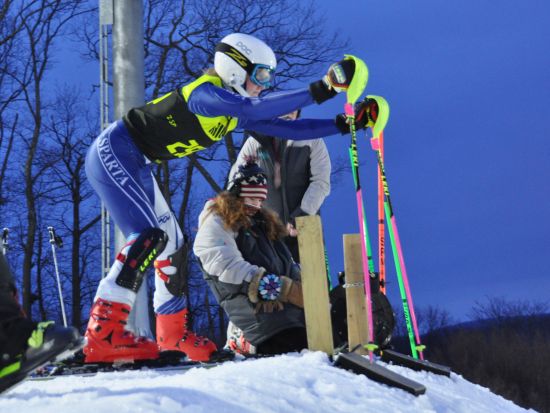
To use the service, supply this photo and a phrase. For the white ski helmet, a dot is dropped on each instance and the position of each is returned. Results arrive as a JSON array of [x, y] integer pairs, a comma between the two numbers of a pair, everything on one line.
[[240, 54]]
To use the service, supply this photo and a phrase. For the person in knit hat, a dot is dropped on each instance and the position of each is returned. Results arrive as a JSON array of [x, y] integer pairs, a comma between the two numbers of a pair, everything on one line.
[[249, 269]]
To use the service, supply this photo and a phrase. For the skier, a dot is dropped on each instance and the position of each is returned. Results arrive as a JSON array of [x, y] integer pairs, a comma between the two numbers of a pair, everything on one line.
[[24, 344], [175, 125], [298, 175]]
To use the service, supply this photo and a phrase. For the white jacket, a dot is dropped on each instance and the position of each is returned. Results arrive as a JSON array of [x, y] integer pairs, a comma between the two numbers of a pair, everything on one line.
[[217, 250]]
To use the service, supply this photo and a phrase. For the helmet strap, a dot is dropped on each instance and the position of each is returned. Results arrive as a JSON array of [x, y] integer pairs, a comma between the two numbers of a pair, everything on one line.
[[242, 91]]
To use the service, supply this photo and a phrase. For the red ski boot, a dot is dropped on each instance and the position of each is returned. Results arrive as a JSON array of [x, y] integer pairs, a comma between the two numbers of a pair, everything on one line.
[[173, 334], [108, 341]]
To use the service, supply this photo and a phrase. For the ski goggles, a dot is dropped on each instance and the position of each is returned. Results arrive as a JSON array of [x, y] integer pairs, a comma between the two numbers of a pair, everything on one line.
[[262, 75]]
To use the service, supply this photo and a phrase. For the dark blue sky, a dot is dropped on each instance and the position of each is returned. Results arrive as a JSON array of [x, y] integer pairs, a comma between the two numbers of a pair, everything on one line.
[[467, 144]]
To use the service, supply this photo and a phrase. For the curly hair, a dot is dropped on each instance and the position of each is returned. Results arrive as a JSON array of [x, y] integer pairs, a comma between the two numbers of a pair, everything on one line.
[[232, 211]]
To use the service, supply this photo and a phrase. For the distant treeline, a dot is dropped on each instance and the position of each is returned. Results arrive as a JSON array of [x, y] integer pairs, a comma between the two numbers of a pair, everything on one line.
[[508, 353]]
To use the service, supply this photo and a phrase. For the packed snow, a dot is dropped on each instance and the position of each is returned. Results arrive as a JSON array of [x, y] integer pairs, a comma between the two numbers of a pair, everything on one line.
[[303, 382]]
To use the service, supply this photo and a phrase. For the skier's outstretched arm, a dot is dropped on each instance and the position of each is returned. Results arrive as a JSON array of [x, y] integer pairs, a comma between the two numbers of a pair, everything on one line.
[[210, 100]]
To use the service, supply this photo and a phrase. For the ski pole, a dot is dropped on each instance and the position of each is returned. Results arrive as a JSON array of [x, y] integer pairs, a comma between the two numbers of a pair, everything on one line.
[[404, 288], [56, 240], [379, 124], [402, 278], [5, 243], [381, 222], [354, 91], [327, 266]]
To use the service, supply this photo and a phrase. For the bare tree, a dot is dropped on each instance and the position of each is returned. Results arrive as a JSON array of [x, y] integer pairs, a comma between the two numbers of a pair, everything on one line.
[[71, 132], [180, 38], [500, 309], [180, 41], [429, 319], [10, 26], [42, 23]]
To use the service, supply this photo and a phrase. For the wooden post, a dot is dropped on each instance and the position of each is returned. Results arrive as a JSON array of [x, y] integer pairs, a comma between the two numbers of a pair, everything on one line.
[[314, 284], [355, 293]]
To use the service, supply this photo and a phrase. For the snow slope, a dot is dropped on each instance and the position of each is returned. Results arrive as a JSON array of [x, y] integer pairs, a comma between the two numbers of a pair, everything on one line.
[[303, 382]]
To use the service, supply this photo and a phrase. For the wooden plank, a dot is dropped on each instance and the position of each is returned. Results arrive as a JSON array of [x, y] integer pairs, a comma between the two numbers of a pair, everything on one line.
[[314, 284], [358, 328]]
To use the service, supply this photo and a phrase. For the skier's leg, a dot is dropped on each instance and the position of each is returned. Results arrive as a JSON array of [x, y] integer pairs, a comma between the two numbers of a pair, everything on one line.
[[170, 302], [119, 173]]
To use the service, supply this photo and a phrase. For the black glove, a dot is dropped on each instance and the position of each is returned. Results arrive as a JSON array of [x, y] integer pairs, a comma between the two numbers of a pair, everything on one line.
[[337, 79], [366, 113]]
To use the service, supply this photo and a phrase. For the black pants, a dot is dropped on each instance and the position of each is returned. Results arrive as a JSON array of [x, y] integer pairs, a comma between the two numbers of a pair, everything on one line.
[[292, 244], [15, 328], [295, 339]]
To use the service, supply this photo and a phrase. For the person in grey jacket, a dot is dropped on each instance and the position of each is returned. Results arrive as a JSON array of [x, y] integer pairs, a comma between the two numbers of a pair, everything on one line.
[[249, 268], [298, 175]]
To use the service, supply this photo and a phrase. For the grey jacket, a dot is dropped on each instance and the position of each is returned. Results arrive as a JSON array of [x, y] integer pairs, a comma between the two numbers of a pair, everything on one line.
[[305, 173], [228, 272]]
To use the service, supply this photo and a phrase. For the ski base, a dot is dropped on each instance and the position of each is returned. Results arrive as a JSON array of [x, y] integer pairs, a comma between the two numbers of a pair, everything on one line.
[[360, 365], [391, 356]]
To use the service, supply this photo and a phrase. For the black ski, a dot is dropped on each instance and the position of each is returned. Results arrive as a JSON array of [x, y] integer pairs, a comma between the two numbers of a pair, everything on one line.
[[167, 361], [360, 365], [391, 356], [52, 352]]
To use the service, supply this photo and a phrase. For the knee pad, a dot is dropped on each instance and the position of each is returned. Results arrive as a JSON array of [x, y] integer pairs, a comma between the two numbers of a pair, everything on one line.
[[177, 282], [145, 249]]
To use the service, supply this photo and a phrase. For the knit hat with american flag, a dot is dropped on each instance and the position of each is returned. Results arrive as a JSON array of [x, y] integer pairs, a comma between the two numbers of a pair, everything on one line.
[[249, 181]]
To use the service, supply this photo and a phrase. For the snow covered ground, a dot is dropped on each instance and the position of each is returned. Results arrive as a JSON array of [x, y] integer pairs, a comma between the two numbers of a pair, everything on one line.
[[290, 383]]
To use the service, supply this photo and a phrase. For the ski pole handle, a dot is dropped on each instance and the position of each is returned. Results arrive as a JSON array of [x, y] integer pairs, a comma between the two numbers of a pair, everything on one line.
[[5, 234], [54, 238], [51, 231]]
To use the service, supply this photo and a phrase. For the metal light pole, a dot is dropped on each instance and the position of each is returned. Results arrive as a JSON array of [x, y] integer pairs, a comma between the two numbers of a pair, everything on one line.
[[129, 91]]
